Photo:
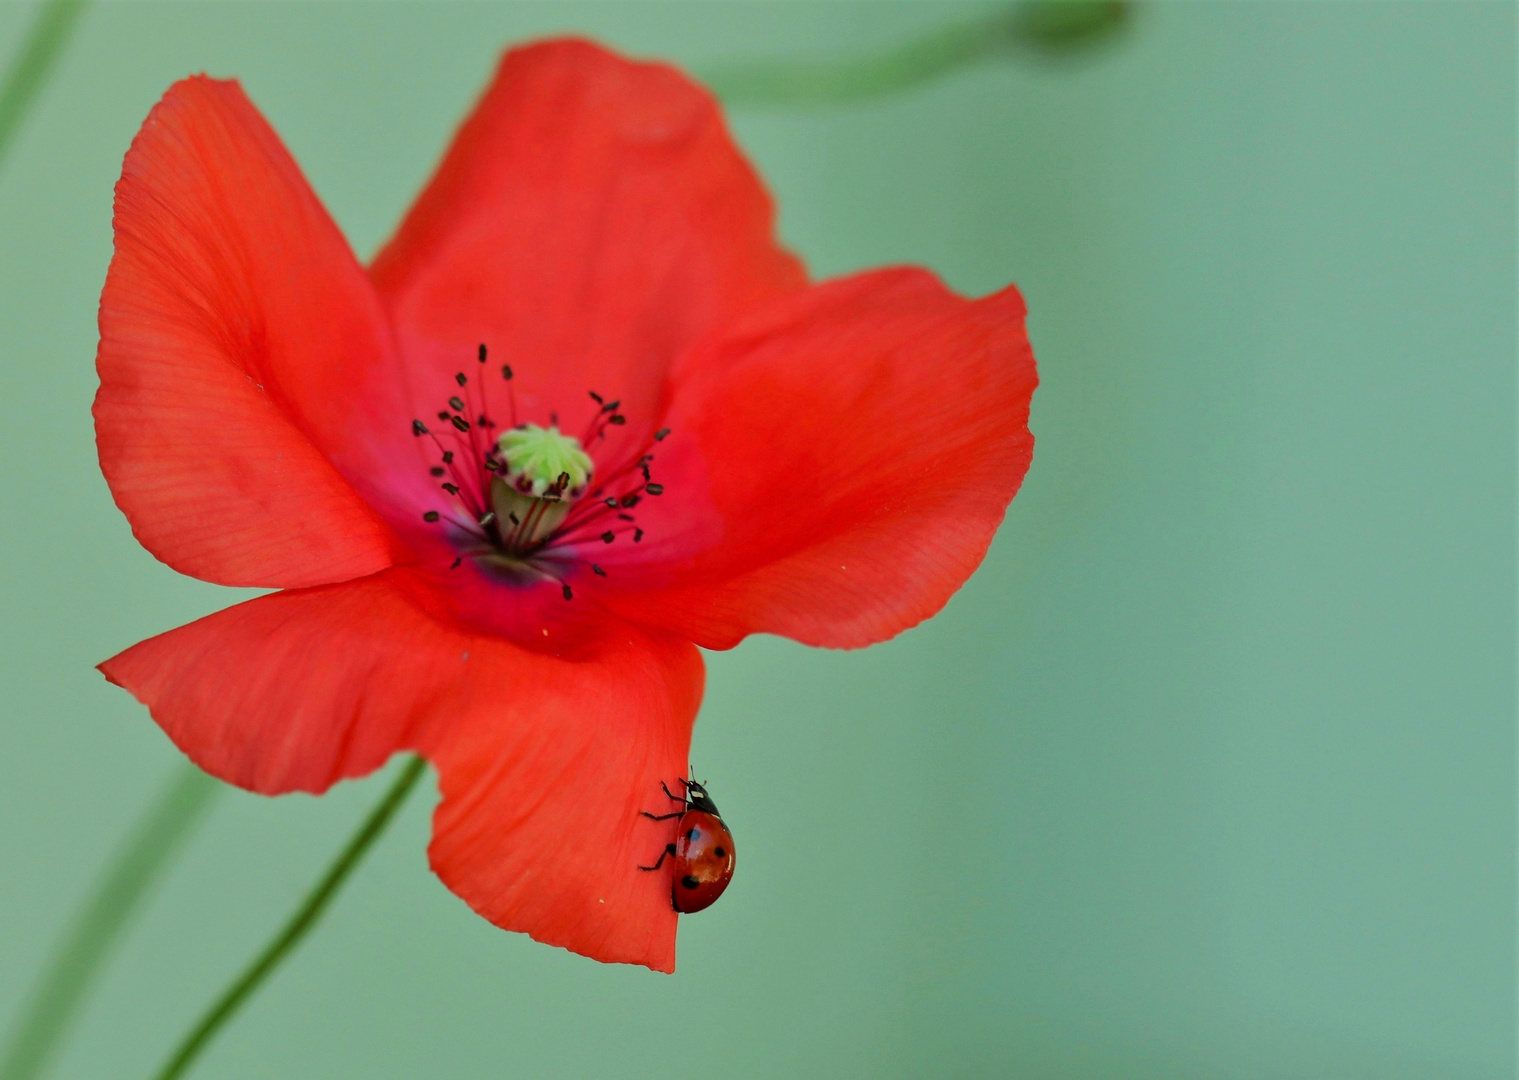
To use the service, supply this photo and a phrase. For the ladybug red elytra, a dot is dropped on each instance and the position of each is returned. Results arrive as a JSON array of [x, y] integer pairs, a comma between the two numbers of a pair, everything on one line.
[[702, 854]]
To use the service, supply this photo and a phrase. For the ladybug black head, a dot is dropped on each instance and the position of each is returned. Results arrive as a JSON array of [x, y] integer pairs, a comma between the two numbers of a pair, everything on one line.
[[697, 797]]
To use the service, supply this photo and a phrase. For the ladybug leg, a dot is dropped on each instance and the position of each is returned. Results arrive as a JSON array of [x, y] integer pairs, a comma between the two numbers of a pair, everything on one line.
[[673, 798], [661, 817], [669, 850]]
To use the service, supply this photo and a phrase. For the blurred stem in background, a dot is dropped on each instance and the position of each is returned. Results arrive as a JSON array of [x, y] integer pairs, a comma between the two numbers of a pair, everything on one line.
[[77, 957], [1039, 27], [49, 33], [298, 925]]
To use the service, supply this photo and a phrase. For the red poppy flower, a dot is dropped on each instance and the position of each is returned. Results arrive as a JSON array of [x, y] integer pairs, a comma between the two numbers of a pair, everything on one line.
[[454, 465]]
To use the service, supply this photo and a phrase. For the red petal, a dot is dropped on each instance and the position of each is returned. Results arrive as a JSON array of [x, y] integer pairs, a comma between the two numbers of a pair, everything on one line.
[[590, 221], [233, 321], [545, 774], [857, 445], [296, 690], [545, 761]]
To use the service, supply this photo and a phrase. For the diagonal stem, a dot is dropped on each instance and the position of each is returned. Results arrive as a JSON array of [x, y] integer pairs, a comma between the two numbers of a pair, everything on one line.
[[297, 926], [1046, 27], [84, 947], [44, 42]]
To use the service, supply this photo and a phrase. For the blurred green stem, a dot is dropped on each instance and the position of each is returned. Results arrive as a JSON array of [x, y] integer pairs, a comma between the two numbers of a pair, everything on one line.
[[1039, 26], [297, 926], [79, 954], [44, 42]]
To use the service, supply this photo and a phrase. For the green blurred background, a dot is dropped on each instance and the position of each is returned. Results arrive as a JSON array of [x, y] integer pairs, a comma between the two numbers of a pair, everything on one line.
[[1208, 772]]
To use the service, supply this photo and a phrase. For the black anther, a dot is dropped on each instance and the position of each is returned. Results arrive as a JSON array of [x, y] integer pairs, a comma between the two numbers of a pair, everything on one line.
[[431, 515], [654, 489], [608, 536], [459, 378], [418, 428], [568, 593], [451, 489], [459, 422], [637, 535], [660, 434], [456, 403], [598, 570], [482, 352]]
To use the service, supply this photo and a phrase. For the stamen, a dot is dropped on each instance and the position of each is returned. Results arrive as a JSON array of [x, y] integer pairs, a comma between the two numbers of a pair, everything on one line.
[[526, 491]]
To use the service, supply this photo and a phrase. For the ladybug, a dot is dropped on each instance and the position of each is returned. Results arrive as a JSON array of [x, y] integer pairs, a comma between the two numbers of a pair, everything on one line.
[[702, 851]]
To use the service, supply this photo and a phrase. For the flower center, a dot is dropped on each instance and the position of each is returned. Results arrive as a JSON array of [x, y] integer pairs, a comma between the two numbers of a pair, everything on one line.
[[545, 472], [514, 501]]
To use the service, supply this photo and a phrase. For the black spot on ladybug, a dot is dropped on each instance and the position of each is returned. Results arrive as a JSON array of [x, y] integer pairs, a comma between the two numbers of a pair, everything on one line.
[[693, 834], [689, 882], [669, 849], [720, 852]]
